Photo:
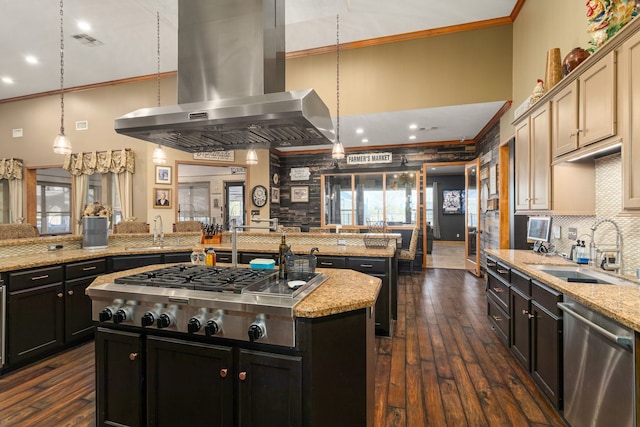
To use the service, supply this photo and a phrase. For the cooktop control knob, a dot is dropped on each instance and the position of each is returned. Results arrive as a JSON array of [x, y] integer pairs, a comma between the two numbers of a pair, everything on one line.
[[211, 328], [147, 319], [256, 332], [164, 321], [194, 325], [120, 316], [105, 315]]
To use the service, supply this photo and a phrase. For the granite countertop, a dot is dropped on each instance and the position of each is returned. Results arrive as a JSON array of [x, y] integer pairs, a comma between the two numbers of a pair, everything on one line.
[[64, 255], [343, 291], [619, 302]]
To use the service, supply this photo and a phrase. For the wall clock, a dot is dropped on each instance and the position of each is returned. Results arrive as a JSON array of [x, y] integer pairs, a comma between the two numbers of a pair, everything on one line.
[[275, 178], [259, 195]]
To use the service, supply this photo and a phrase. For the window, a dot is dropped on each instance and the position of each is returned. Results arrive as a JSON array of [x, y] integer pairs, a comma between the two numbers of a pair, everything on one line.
[[4, 202], [429, 205], [53, 208], [193, 202], [365, 198]]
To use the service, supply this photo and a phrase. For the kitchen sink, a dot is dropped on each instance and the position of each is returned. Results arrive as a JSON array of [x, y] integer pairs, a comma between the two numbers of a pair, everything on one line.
[[579, 274]]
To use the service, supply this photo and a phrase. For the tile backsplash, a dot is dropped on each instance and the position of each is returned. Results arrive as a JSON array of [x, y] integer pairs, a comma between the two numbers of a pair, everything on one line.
[[609, 206]]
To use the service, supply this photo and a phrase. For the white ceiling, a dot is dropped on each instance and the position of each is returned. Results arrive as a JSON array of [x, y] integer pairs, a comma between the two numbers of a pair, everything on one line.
[[126, 34]]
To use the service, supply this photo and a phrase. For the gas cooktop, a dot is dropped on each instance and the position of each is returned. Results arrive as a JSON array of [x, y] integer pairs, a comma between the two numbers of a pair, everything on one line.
[[218, 279]]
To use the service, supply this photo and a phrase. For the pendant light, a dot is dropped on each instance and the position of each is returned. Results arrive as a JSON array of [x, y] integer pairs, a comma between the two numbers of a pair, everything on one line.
[[338, 149], [252, 157], [159, 156], [61, 144]]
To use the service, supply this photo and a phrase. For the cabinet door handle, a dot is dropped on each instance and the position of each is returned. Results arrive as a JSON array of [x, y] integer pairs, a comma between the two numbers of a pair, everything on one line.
[[326, 263], [497, 318], [492, 264], [89, 268], [497, 290], [44, 276], [501, 271], [529, 315], [133, 356], [60, 295], [366, 265], [242, 375], [224, 372], [70, 292]]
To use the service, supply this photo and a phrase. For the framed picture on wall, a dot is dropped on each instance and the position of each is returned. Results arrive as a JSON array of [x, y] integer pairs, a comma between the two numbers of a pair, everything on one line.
[[162, 198], [300, 193], [163, 174], [452, 202], [275, 195]]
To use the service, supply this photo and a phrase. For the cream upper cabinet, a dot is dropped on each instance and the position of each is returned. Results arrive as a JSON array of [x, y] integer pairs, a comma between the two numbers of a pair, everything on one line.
[[629, 75], [584, 111], [533, 160]]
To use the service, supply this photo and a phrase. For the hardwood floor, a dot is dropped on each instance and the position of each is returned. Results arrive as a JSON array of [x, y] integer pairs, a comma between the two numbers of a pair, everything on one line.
[[442, 367]]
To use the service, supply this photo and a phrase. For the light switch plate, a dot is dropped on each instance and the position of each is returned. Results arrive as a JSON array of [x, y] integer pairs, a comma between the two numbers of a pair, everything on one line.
[[573, 233], [555, 231]]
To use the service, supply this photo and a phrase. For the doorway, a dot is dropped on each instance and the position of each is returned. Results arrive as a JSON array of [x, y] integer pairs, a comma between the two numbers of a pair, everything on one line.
[[472, 216], [443, 238]]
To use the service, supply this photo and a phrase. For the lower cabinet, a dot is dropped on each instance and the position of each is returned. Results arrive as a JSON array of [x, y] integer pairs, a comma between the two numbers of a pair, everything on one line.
[[546, 342], [35, 322], [125, 262], [532, 329], [151, 381]]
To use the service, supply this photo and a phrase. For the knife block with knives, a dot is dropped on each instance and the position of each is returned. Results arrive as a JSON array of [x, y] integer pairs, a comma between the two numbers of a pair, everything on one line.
[[211, 233]]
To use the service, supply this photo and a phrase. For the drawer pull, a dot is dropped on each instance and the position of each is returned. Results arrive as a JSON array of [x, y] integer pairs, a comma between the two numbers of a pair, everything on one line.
[[529, 315], [70, 292], [242, 375], [89, 268], [224, 372], [492, 264], [366, 265], [326, 263], [497, 318], [497, 290], [501, 271], [133, 356], [44, 276], [59, 294]]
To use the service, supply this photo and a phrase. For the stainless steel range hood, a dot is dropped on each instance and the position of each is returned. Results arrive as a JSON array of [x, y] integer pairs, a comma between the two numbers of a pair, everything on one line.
[[231, 84]]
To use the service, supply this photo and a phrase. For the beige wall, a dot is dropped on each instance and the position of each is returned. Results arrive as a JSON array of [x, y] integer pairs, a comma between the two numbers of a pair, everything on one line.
[[460, 68], [540, 26]]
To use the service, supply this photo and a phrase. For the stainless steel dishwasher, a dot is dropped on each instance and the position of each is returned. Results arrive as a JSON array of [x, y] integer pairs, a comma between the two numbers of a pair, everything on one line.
[[599, 373]]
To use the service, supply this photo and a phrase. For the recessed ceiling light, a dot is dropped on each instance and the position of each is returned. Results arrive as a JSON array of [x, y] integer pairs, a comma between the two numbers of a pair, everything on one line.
[[413, 126], [31, 59], [84, 25], [365, 140], [412, 137], [359, 131], [7, 80]]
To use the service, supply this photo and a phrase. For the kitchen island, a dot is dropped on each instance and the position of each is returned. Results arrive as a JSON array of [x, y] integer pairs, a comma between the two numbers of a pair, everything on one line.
[[325, 378]]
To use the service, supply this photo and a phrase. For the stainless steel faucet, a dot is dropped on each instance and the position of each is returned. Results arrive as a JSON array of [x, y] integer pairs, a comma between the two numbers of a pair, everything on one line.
[[158, 231], [234, 234], [604, 249]]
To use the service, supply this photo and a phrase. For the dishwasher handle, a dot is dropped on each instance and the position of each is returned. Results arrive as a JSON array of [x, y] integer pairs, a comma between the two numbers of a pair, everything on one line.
[[626, 341]]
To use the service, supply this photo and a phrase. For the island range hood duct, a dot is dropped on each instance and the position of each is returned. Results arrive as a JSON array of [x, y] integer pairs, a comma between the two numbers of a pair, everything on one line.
[[231, 78]]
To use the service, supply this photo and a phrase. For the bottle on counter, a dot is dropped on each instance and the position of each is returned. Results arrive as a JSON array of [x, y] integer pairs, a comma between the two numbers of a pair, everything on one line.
[[210, 257], [282, 261]]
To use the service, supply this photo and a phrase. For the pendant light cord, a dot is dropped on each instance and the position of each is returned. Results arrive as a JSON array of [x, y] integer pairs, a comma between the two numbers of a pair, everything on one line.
[[158, 56], [61, 68], [338, 77]]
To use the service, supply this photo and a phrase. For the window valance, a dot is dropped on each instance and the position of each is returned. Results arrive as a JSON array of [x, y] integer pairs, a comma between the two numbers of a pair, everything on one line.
[[115, 161], [11, 168]]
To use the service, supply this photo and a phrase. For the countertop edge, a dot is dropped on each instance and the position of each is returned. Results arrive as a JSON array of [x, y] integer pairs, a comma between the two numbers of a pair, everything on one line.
[[619, 302]]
